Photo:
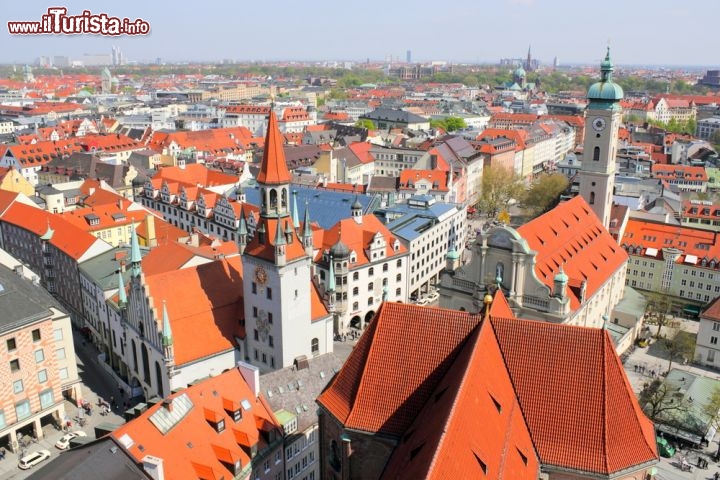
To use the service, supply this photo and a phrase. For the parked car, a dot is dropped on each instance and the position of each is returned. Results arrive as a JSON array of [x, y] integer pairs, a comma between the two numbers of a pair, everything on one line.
[[64, 442], [422, 301], [432, 296], [32, 459]]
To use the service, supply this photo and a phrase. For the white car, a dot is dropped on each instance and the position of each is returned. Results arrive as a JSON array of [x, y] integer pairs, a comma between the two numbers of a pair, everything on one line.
[[421, 301], [64, 442], [32, 459]]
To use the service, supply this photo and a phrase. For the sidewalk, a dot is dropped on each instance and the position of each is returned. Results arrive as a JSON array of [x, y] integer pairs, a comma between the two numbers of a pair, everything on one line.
[[652, 359]]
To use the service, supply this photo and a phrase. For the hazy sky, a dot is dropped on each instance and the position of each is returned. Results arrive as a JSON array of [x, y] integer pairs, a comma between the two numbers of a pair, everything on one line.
[[669, 32]]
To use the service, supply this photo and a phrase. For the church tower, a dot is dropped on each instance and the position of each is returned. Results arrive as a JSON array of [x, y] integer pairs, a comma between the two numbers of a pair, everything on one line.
[[602, 121], [277, 285]]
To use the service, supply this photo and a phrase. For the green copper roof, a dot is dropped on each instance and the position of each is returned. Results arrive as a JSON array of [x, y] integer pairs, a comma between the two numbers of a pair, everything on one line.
[[122, 295], [167, 339], [453, 254], [561, 276], [135, 256], [606, 90], [331, 275]]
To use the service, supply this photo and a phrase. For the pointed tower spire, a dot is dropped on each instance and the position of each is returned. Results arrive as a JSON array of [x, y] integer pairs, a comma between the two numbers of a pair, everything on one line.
[[279, 237], [273, 169], [307, 231], [122, 295], [242, 232], [135, 257], [167, 339], [295, 215]]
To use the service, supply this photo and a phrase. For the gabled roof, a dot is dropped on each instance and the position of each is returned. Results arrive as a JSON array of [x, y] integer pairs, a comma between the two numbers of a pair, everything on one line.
[[192, 448], [459, 391], [572, 235], [693, 242], [566, 397], [273, 169], [358, 237], [205, 307]]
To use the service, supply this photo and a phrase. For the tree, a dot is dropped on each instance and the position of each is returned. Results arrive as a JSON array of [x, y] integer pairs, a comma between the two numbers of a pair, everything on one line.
[[658, 307], [449, 124], [498, 186], [545, 192], [660, 398], [682, 345], [366, 123]]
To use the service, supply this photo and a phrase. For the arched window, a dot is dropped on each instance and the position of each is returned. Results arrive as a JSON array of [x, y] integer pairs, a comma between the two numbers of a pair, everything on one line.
[[134, 350], [592, 198], [596, 154], [146, 365], [283, 199], [273, 199], [158, 376], [356, 290], [315, 345], [263, 199]]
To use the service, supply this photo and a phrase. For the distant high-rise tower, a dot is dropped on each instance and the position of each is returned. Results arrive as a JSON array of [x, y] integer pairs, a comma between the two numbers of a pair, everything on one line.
[[28, 76], [408, 56], [556, 63], [597, 174]]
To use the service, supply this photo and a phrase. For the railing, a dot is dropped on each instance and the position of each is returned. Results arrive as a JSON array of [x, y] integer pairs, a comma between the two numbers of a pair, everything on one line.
[[464, 284], [535, 301]]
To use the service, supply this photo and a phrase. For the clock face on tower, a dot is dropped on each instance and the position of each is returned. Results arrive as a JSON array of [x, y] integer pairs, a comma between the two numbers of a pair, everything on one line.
[[260, 275], [598, 124]]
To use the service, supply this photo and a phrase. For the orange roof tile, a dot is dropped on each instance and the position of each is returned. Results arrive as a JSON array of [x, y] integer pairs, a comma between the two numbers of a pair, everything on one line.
[[644, 234], [204, 321], [437, 178], [358, 236], [193, 448], [67, 237], [571, 235], [566, 397], [273, 169]]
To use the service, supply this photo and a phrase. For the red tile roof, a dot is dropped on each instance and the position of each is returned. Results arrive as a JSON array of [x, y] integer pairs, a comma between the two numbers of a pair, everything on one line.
[[571, 235], [68, 238], [458, 392], [273, 169], [644, 234], [204, 320], [686, 172], [437, 179], [580, 409], [193, 448], [358, 237]]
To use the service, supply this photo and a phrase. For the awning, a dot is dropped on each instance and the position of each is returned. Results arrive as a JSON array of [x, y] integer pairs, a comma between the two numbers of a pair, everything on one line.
[[651, 252], [692, 309], [691, 259]]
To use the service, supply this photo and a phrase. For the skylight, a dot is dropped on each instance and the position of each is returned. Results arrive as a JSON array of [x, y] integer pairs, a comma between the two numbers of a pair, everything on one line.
[[166, 418]]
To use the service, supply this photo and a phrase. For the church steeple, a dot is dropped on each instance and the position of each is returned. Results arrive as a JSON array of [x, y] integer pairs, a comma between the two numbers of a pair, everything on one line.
[[274, 176], [135, 257], [242, 232], [122, 295]]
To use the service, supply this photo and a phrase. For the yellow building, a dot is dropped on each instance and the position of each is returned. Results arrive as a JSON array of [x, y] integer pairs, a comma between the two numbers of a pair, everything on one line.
[[13, 181]]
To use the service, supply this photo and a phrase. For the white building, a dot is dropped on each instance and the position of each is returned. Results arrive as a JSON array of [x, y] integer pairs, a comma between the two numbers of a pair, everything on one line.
[[707, 348]]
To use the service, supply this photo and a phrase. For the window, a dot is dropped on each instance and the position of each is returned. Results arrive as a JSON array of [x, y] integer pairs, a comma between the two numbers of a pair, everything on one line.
[[60, 353], [254, 287], [14, 365], [315, 345], [397, 292], [713, 340], [398, 277], [270, 318], [716, 327], [269, 293], [356, 306], [370, 301], [356, 291], [256, 335], [385, 267], [42, 376], [39, 356], [63, 373], [11, 344], [356, 276], [592, 197], [371, 271], [36, 335], [271, 342], [596, 154], [370, 287], [18, 386], [399, 262], [2, 419], [22, 409], [46, 399]]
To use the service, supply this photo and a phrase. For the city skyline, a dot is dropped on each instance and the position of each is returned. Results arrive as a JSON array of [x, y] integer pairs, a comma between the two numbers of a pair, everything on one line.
[[460, 32]]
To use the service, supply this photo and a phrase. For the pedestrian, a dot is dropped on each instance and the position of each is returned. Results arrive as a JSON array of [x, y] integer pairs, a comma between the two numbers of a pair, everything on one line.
[[112, 401], [636, 368]]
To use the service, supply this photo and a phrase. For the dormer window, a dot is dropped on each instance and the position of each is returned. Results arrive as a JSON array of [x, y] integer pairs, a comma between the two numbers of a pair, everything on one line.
[[220, 426]]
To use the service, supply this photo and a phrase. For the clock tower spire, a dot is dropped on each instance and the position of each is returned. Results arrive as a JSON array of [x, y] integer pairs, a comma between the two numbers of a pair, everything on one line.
[[602, 121]]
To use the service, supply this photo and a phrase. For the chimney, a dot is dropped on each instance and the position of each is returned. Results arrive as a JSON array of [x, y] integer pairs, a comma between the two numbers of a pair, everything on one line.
[[251, 374], [167, 404], [153, 466], [150, 228]]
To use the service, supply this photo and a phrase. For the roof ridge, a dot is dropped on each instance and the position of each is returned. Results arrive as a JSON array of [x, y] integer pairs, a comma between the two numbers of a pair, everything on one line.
[[604, 406], [366, 363], [475, 334]]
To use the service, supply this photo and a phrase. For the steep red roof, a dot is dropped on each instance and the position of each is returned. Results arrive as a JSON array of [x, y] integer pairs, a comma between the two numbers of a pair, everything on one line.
[[273, 169], [193, 448], [205, 313], [580, 409], [692, 242], [458, 392], [571, 235]]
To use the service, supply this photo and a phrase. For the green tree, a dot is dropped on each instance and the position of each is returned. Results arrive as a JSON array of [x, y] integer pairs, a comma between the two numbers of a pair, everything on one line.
[[454, 123], [545, 192], [657, 308], [366, 123], [498, 186], [681, 346], [660, 398]]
